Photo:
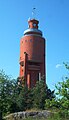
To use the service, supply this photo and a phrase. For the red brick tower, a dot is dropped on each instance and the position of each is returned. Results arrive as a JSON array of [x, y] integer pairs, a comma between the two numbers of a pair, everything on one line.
[[32, 54]]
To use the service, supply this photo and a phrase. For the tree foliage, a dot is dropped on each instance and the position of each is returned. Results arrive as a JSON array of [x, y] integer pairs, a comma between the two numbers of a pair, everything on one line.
[[41, 93], [62, 96], [14, 97], [6, 91], [63, 91]]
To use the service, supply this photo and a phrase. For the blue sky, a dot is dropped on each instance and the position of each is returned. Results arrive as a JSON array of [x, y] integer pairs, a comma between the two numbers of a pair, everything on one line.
[[53, 16]]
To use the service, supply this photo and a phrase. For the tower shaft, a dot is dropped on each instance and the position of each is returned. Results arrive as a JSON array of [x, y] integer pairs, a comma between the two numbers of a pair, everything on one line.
[[32, 54]]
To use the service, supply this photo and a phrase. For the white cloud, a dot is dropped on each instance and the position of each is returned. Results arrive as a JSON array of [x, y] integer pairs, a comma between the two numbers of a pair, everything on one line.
[[58, 65]]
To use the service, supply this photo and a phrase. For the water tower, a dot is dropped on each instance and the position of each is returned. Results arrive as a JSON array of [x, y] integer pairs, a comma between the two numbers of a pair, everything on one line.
[[32, 54]]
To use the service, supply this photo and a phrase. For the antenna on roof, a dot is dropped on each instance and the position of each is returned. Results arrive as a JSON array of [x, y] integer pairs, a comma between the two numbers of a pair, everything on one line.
[[34, 12]]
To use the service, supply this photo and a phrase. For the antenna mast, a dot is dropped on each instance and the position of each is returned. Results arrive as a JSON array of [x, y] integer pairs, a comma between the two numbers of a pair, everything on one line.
[[34, 12]]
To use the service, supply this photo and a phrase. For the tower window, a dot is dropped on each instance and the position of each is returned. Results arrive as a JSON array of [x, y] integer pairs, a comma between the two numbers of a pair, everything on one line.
[[34, 24], [25, 40], [30, 40], [33, 63]]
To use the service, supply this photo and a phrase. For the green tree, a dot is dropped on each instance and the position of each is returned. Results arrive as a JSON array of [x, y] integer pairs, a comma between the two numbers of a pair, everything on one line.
[[15, 97], [63, 91], [7, 92], [62, 96], [40, 94], [24, 99]]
